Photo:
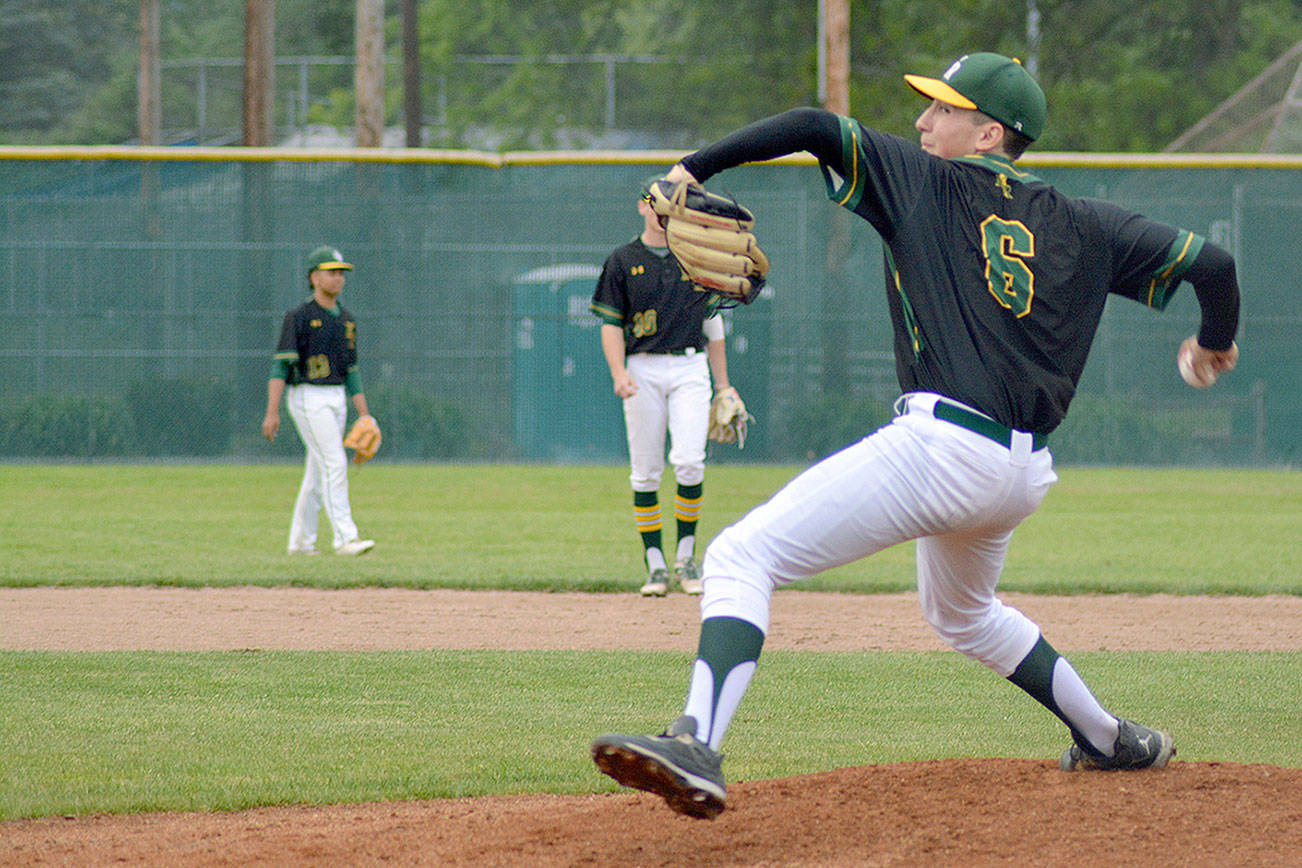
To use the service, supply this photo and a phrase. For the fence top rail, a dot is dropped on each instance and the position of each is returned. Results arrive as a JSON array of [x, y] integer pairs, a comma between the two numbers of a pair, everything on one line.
[[1061, 159]]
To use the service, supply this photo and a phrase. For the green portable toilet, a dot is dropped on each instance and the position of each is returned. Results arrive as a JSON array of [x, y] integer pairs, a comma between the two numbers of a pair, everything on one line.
[[564, 408]]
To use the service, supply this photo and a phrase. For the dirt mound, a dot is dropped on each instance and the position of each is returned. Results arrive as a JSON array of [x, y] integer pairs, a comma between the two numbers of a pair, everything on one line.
[[960, 812]]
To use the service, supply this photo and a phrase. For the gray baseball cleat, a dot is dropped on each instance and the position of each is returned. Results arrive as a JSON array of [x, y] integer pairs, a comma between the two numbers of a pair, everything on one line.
[[674, 765], [689, 575], [1137, 747], [657, 584]]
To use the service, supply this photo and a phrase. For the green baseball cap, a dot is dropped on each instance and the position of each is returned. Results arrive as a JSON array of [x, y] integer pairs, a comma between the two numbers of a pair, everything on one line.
[[990, 83], [327, 258]]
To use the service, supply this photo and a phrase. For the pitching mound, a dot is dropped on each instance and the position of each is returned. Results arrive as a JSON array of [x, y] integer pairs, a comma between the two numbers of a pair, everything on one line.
[[946, 812]]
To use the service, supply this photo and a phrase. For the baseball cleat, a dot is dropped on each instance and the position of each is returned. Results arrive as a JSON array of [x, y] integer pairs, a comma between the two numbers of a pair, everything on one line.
[[689, 575], [657, 584], [1137, 747], [302, 551], [674, 765], [356, 547]]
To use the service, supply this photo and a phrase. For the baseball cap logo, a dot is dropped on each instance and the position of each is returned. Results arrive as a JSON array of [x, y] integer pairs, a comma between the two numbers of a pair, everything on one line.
[[953, 68]]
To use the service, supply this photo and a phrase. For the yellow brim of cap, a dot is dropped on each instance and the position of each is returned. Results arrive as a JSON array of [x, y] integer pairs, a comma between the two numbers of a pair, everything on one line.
[[937, 89], [335, 266]]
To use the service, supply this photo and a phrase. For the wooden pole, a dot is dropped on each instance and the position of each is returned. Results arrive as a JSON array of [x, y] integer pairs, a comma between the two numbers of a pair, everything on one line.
[[411, 108], [837, 336], [259, 73], [836, 35], [149, 112], [368, 80]]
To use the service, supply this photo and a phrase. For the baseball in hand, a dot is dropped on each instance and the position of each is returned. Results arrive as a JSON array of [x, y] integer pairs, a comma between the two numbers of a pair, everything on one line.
[[1200, 376]]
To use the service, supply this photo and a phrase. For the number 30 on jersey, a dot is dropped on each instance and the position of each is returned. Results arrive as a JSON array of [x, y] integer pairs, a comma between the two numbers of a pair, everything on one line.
[[1007, 244]]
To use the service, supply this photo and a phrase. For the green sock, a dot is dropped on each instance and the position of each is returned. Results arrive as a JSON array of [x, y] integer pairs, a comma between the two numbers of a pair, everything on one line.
[[687, 512], [1035, 675], [726, 658], [646, 513]]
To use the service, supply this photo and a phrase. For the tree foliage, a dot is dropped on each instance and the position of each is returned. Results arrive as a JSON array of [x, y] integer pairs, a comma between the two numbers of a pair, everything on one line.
[[689, 70], [50, 52]]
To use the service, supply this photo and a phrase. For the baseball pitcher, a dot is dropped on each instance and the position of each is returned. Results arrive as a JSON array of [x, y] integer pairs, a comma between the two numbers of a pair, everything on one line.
[[995, 284]]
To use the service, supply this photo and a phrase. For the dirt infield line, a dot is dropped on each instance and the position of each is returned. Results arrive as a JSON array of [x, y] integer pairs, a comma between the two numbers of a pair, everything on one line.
[[171, 619]]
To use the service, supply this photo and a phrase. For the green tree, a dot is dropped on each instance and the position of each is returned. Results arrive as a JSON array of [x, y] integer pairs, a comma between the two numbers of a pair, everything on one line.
[[1114, 82], [51, 52]]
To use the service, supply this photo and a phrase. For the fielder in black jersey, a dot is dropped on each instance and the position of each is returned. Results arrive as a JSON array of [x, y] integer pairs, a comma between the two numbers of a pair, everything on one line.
[[664, 345], [644, 293], [995, 285], [315, 371], [318, 345]]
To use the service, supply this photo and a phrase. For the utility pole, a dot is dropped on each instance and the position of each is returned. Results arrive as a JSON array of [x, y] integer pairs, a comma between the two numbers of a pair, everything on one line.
[[259, 73], [149, 112], [834, 91], [1032, 39], [411, 109], [368, 81], [834, 55]]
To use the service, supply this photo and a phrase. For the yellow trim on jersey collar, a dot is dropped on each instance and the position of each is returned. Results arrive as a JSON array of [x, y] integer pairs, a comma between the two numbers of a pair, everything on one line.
[[997, 164]]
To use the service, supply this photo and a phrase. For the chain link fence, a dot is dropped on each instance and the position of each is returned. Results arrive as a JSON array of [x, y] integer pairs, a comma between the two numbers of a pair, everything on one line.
[[141, 294]]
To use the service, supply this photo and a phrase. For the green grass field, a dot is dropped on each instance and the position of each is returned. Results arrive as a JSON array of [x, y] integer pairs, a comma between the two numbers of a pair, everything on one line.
[[141, 731], [570, 528]]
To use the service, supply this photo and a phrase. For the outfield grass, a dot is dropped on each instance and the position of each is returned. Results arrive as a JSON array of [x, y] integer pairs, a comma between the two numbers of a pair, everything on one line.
[[144, 731], [571, 528], [140, 731]]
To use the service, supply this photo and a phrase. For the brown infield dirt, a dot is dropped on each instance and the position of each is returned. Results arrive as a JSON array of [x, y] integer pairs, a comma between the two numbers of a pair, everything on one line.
[[953, 812]]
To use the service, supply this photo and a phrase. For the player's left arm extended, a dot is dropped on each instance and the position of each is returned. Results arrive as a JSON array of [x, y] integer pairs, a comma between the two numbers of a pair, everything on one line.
[[817, 131]]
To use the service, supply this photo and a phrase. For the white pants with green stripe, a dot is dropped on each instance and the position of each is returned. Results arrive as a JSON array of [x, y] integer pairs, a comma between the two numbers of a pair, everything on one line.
[[956, 492]]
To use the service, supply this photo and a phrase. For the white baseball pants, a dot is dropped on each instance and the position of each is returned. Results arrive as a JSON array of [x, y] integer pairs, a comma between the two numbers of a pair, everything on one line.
[[319, 413], [959, 494], [673, 395]]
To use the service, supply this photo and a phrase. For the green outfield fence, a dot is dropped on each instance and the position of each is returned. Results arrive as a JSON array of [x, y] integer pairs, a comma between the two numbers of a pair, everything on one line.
[[141, 292]]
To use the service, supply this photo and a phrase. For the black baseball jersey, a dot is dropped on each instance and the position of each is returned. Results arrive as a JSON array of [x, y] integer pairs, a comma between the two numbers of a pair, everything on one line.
[[645, 293], [320, 346], [995, 281]]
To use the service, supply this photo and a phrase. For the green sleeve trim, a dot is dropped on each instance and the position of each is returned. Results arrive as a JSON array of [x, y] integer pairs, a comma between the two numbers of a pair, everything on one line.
[[1181, 255], [606, 314], [282, 364], [353, 381], [849, 190], [910, 320]]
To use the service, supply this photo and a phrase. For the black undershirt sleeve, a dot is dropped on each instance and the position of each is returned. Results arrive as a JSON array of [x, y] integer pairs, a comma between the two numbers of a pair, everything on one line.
[[804, 129], [1217, 287]]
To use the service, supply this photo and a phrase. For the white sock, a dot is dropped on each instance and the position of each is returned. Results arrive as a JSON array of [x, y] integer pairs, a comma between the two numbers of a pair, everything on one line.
[[655, 560], [685, 547], [712, 720], [1082, 709]]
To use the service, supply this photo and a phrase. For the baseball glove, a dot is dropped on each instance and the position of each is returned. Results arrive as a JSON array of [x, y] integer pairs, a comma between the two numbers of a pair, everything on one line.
[[364, 439], [728, 418], [710, 237]]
